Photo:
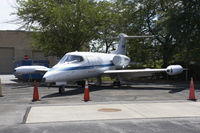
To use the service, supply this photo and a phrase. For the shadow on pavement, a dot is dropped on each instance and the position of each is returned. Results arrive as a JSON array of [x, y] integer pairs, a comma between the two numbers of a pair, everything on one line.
[[78, 90]]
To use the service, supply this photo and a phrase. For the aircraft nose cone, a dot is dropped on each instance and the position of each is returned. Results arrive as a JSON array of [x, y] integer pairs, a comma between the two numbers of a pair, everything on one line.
[[53, 76], [48, 77]]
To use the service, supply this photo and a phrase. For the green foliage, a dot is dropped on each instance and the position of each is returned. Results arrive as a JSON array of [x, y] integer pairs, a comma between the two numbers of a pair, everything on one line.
[[184, 25], [68, 25], [64, 25], [109, 26]]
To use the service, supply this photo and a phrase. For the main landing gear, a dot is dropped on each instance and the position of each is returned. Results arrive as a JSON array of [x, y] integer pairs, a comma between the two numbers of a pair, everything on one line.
[[61, 90], [117, 83], [99, 81], [81, 83]]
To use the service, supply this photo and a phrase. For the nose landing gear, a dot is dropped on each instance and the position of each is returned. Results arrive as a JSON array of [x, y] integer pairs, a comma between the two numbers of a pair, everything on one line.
[[61, 90]]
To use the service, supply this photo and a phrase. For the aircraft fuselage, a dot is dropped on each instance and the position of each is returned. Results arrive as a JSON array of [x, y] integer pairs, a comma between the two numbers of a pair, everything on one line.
[[90, 65]]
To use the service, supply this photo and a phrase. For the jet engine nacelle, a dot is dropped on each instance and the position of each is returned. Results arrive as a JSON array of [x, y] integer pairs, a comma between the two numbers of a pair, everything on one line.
[[121, 61], [174, 69]]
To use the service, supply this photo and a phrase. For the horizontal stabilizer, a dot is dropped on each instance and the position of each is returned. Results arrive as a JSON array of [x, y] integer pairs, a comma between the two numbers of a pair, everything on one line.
[[123, 39], [130, 37]]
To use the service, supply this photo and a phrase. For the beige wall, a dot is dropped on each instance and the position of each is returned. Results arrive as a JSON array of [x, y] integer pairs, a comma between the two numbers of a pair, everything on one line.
[[21, 41], [6, 59]]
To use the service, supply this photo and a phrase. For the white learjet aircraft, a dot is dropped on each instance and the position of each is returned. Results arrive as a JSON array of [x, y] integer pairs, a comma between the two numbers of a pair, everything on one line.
[[75, 66]]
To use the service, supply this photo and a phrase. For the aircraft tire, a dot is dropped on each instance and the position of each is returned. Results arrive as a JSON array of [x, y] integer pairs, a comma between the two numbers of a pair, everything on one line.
[[81, 83], [61, 90], [116, 83]]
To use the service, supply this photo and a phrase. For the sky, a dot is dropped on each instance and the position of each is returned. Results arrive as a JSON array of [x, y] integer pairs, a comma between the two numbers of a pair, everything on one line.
[[6, 19], [6, 8]]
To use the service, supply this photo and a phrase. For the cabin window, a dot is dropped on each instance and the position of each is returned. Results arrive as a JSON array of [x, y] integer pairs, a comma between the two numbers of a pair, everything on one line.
[[71, 59]]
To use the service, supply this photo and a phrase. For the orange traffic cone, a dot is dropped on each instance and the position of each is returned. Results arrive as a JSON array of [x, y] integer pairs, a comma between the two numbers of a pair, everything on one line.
[[35, 92], [86, 92], [192, 92]]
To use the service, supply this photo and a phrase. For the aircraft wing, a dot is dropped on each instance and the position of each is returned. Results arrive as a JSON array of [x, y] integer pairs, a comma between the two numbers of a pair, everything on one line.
[[170, 70], [135, 71]]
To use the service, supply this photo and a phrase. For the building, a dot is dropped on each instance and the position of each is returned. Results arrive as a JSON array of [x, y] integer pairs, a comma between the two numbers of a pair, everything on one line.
[[14, 46]]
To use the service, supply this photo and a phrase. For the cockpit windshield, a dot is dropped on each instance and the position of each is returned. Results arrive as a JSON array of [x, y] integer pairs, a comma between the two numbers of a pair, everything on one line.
[[71, 59]]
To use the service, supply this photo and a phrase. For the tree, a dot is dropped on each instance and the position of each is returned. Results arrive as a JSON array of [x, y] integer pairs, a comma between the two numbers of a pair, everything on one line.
[[61, 26], [108, 28], [176, 24], [155, 14], [69, 25], [184, 25], [132, 22]]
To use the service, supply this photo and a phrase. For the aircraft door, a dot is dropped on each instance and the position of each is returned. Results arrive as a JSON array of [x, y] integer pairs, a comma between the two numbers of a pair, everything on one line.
[[93, 65]]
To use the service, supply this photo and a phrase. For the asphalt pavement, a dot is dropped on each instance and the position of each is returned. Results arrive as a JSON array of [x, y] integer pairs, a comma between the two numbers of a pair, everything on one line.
[[16, 105]]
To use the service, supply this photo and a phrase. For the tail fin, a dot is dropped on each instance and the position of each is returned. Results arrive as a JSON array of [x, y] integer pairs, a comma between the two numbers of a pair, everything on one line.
[[121, 46], [123, 39]]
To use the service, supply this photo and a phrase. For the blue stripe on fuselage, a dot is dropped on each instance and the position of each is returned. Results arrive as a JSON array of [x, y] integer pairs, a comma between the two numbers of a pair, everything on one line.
[[81, 67]]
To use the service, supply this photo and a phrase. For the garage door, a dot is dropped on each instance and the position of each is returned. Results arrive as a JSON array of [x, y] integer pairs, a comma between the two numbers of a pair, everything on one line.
[[6, 60]]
